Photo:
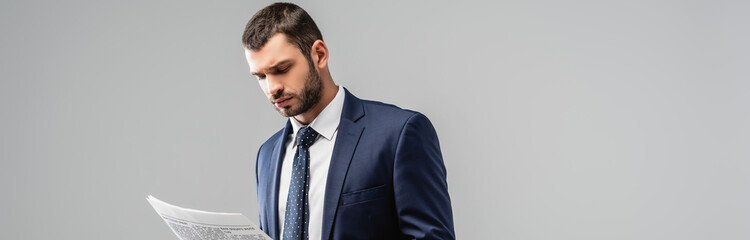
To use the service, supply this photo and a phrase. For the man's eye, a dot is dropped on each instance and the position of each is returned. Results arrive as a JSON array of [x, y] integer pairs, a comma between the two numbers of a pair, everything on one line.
[[283, 70], [261, 77]]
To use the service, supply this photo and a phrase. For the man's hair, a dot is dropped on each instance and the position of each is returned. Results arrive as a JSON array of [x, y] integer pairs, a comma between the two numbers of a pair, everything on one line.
[[287, 18]]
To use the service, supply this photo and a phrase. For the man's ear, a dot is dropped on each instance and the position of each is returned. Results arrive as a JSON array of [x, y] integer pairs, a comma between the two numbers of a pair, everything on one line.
[[319, 54]]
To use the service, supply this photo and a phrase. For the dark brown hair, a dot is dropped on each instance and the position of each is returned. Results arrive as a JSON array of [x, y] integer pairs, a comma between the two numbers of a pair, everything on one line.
[[287, 18]]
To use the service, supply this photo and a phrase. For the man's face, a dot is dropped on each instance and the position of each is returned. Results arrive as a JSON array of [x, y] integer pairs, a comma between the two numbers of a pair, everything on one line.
[[288, 79]]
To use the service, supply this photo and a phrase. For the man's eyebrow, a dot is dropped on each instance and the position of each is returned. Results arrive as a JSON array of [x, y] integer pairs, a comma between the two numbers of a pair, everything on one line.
[[274, 68]]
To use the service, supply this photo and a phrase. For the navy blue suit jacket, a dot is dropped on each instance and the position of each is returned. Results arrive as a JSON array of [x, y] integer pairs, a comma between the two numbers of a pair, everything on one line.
[[386, 180]]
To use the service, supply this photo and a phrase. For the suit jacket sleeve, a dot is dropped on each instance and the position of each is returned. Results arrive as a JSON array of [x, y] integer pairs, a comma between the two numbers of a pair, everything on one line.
[[257, 191], [420, 189]]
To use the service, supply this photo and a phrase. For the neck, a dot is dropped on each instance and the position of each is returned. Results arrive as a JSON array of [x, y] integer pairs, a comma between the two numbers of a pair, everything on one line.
[[329, 93]]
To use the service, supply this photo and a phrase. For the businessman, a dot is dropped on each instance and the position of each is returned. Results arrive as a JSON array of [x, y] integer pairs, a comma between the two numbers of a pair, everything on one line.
[[341, 167]]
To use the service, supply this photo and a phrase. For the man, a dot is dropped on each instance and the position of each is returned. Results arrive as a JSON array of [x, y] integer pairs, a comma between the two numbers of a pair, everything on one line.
[[341, 168]]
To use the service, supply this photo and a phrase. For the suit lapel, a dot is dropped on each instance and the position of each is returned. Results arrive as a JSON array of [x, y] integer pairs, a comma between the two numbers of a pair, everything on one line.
[[273, 199], [350, 130]]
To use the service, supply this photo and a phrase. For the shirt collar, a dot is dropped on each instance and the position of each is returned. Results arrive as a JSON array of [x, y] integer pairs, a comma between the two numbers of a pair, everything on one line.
[[327, 122]]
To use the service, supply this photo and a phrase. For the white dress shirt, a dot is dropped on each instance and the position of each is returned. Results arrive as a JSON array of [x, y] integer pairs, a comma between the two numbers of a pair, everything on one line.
[[327, 125]]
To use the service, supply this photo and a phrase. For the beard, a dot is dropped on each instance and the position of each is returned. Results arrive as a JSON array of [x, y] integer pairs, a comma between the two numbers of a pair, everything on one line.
[[309, 97]]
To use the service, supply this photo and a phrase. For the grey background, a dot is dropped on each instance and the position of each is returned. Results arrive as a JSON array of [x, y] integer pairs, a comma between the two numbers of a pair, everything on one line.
[[557, 119]]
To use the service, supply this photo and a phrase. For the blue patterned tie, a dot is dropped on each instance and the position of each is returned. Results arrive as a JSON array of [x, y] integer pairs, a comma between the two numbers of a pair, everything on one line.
[[297, 212]]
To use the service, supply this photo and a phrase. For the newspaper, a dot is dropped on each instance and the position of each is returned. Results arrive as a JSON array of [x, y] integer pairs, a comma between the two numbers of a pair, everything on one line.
[[189, 224]]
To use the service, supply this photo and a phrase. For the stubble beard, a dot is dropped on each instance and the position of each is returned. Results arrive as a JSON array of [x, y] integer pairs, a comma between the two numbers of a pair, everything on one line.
[[311, 93]]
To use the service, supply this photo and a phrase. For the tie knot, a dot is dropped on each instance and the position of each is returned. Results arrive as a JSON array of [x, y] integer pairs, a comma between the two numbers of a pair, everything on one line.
[[306, 136]]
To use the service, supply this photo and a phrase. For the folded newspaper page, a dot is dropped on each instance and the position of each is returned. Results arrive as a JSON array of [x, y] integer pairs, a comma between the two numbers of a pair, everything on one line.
[[189, 224]]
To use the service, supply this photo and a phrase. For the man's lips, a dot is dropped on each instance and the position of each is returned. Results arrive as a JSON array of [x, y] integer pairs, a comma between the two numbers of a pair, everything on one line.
[[281, 102]]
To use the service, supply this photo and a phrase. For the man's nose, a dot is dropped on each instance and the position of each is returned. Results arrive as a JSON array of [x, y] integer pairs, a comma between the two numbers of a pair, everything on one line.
[[273, 85]]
